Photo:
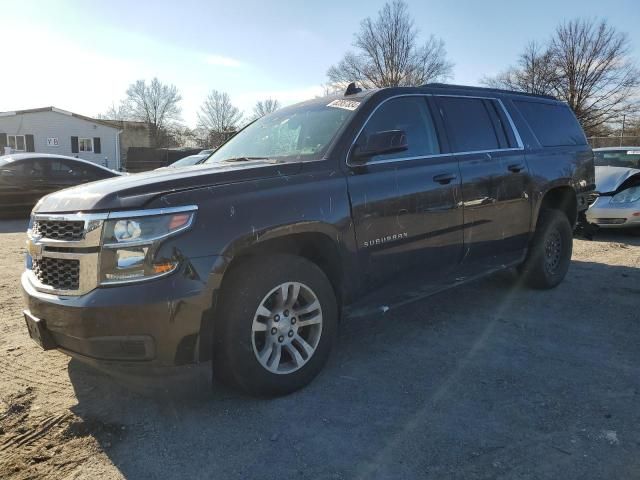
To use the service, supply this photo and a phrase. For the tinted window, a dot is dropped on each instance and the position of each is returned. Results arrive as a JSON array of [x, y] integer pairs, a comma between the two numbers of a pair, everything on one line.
[[553, 124], [69, 168], [410, 114], [26, 168], [59, 168], [469, 124]]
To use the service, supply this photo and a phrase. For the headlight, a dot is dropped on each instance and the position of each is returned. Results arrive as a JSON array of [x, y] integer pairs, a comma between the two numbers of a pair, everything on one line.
[[129, 246], [627, 196]]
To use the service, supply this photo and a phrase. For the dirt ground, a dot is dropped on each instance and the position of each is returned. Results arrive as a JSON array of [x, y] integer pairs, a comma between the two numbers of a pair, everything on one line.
[[485, 381]]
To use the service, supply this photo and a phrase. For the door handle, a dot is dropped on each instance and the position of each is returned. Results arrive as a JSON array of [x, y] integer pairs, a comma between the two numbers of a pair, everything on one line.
[[444, 178], [516, 167]]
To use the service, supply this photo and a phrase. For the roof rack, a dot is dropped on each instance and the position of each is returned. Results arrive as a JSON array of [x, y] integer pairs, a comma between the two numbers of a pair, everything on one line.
[[487, 89]]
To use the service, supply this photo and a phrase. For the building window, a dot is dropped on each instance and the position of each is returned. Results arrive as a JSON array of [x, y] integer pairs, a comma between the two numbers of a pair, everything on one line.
[[16, 142], [85, 144]]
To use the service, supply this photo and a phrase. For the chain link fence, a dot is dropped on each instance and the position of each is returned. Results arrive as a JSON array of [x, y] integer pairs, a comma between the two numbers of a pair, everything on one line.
[[626, 141]]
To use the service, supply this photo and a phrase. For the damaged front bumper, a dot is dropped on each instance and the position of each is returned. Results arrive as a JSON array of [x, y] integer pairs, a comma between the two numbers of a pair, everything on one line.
[[606, 214]]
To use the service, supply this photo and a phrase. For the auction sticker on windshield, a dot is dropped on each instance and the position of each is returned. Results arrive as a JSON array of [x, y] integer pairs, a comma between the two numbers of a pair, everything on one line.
[[346, 104]]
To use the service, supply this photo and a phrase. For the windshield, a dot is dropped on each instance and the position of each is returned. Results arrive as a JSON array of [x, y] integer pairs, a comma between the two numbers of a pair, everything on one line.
[[297, 133], [618, 158]]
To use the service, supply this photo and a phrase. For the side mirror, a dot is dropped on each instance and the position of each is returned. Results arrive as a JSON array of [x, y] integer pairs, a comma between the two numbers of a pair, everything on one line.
[[380, 143]]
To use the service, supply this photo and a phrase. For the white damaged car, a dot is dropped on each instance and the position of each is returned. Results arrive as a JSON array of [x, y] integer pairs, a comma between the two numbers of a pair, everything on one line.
[[617, 204]]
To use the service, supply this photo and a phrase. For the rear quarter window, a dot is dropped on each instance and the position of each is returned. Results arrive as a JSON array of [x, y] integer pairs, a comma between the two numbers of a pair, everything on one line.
[[554, 125]]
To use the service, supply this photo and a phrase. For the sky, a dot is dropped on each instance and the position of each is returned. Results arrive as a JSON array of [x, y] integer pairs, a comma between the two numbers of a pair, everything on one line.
[[81, 55]]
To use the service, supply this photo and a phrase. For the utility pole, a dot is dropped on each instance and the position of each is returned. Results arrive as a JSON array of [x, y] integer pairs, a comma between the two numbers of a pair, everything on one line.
[[624, 117]]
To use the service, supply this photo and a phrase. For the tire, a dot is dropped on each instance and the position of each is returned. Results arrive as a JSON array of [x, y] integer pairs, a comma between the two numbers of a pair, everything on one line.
[[550, 251], [264, 300]]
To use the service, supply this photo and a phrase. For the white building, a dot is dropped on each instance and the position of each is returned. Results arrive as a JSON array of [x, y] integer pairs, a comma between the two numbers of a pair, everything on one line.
[[51, 130]]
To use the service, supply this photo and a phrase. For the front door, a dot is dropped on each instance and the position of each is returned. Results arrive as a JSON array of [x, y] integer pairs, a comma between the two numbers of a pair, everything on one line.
[[406, 206]]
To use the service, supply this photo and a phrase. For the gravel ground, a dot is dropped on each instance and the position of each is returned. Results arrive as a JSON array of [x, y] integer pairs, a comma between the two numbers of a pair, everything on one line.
[[485, 381]]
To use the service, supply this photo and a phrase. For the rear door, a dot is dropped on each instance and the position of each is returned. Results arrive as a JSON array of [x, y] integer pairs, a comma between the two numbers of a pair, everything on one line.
[[405, 206], [495, 179]]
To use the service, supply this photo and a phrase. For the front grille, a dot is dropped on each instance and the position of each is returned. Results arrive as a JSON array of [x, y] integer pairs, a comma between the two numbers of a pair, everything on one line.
[[610, 221], [68, 230], [58, 273], [591, 199]]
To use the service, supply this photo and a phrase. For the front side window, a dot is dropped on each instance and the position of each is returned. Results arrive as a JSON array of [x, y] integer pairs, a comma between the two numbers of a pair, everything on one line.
[[412, 116], [16, 142], [302, 132], [469, 124], [85, 144]]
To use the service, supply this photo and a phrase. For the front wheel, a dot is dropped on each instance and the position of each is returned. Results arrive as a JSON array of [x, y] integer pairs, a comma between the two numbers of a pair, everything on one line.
[[550, 251], [276, 325]]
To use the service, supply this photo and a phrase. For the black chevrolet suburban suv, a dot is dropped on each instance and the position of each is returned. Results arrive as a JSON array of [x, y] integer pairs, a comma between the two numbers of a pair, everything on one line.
[[325, 208]]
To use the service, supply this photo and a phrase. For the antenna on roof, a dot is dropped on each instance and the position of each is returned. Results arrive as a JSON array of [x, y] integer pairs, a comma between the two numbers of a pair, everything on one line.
[[352, 89]]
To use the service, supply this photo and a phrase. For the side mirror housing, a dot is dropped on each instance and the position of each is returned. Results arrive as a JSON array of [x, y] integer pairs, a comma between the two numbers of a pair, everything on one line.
[[380, 143]]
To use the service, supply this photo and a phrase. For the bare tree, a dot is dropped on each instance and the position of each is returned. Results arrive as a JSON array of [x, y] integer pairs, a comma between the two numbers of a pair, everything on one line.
[[115, 112], [587, 64], [596, 76], [265, 107], [534, 73], [388, 53], [156, 104], [218, 117]]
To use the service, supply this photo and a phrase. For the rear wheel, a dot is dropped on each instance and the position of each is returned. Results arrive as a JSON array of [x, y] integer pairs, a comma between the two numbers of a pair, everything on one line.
[[550, 252], [276, 325]]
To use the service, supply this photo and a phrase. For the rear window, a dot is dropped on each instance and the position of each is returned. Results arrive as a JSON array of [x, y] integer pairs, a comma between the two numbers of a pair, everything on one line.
[[618, 158], [469, 124], [554, 125]]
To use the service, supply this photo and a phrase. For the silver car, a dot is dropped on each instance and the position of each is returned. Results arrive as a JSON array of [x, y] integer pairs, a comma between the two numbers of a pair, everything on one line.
[[618, 186]]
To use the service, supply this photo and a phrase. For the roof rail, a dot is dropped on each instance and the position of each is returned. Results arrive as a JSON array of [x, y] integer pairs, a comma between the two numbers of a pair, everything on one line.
[[487, 89]]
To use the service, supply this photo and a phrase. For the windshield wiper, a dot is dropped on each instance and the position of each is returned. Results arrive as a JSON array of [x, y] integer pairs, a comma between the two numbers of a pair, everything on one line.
[[244, 159]]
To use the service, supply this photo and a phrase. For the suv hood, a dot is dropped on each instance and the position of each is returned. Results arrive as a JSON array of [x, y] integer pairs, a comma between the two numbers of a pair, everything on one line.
[[134, 191], [609, 179]]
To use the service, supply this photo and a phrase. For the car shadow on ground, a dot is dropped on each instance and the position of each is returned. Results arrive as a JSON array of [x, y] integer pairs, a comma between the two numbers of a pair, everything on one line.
[[15, 225], [486, 380], [616, 235]]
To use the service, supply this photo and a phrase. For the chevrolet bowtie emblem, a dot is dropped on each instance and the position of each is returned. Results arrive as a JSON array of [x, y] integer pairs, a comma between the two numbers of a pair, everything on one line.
[[34, 249]]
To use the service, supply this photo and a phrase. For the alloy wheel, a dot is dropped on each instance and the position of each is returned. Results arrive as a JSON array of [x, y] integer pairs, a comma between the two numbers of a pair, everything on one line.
[[286, 328]]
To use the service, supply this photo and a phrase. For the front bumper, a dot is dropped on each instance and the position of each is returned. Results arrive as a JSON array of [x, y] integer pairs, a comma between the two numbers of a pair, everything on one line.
[[157, 322], [606, 214]]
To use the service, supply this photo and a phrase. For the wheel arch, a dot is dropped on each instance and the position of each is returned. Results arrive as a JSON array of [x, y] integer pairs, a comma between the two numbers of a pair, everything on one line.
[[319, 247], [560, 197]]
